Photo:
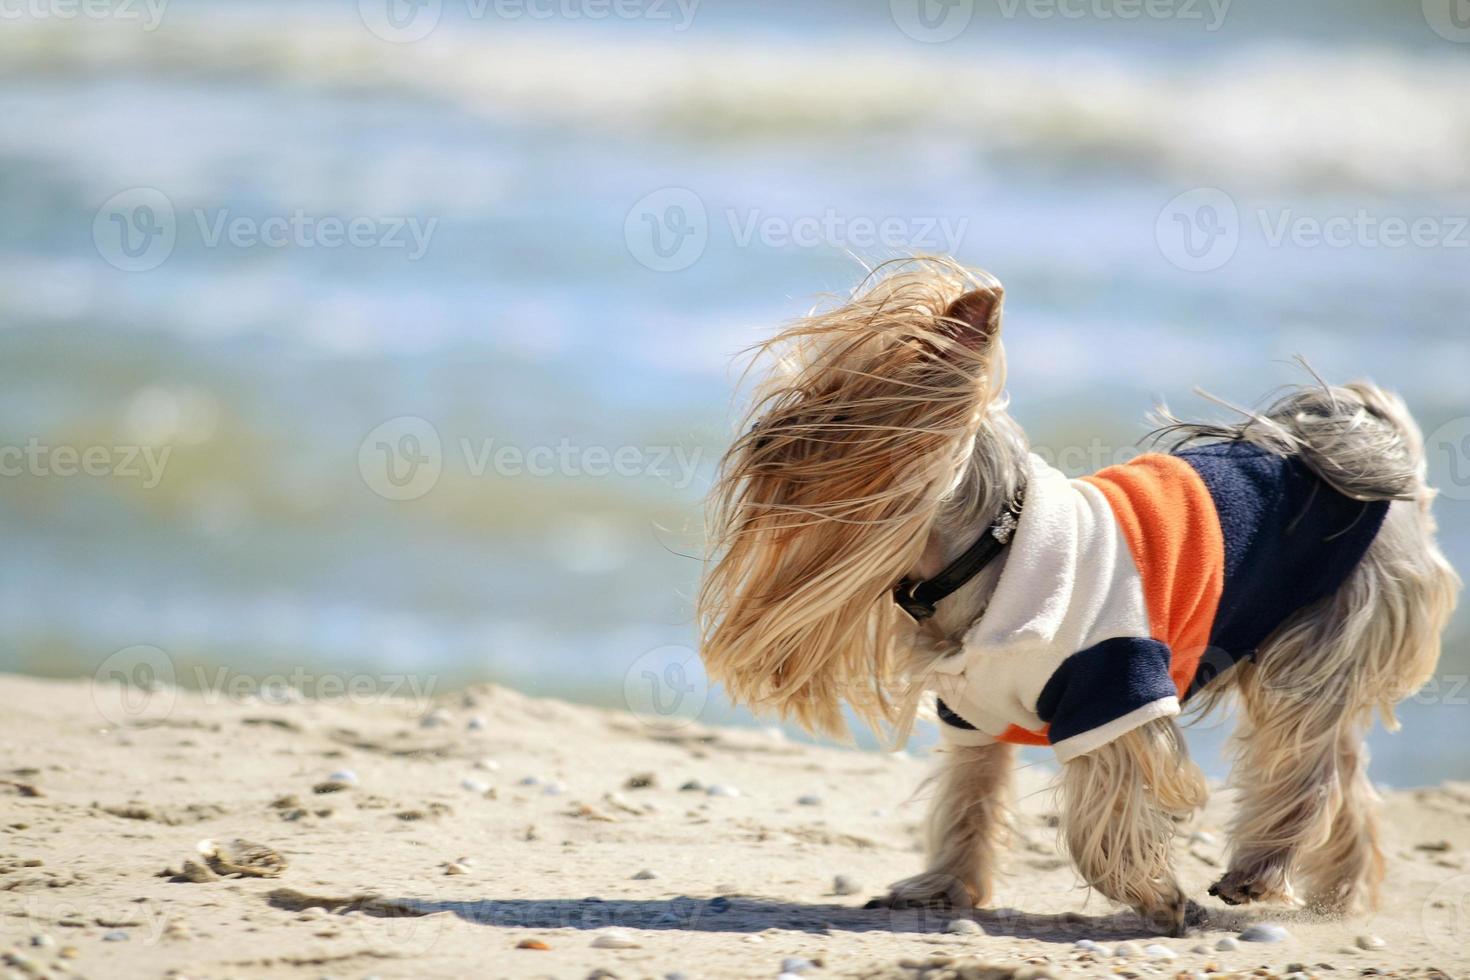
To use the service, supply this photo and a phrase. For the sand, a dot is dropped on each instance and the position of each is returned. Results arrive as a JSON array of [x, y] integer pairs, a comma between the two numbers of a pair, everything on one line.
[[443, 859]]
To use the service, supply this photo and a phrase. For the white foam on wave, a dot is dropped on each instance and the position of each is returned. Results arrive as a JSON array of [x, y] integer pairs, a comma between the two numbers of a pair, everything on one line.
[[1263, 115]]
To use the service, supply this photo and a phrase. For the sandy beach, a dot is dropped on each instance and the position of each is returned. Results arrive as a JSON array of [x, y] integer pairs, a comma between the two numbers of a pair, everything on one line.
[[490, 834]]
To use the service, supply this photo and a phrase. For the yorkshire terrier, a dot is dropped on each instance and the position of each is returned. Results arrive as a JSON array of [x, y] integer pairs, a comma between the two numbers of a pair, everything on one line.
[[881, 531]]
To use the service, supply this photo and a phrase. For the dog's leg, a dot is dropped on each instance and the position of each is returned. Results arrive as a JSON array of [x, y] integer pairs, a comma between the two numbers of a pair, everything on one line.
[[966, 823], [1306, 804], [1120, 806], [1287, 771], [1350, 865]]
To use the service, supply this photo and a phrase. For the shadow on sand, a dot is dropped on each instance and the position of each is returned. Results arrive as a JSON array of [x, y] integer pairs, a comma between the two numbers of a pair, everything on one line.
[[745, 914]]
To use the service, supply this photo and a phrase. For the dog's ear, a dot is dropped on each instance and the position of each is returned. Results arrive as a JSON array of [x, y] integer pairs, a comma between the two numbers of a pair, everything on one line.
[[976, 316]]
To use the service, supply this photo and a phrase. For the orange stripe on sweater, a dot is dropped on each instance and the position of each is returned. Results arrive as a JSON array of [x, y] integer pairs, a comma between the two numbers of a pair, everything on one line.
[[1169, 520]]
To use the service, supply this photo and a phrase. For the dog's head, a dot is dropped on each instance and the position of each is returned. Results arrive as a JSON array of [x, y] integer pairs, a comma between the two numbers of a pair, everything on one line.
[[865, 425]]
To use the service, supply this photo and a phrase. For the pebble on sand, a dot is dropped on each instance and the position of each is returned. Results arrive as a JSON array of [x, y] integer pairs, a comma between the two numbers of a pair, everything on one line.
[[645, 875], [475, 785], [846, 885], [615, 939], [1228, 944], [336, 782], [797, 965], [1127, 951], [41, 939], [963, 927], [721, 790], [1158, 951], [1370, 942], [115, 936], [1264, 932], [434, 719], [476, 724], [809, 800], [197, 872]]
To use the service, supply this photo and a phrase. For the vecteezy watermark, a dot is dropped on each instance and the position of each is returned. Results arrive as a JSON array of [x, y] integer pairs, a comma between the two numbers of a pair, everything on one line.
[[1450, 19], [1210, 13], [932, 21], [1448, 446], [142, 463], [148, 13], [137, 230], [1201, 229], [1445, 915], [140, 685], [1079, 460], [937, 21], [404, 457], [1362, 228], [666, 688], [669, 230], [135, 686], [406, 21]]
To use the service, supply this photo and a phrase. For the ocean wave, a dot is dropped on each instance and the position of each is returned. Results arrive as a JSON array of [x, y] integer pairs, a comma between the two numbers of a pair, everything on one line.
[[1263, 115]]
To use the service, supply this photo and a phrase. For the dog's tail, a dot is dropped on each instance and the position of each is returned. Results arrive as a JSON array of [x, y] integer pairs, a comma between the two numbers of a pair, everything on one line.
[[1358, 438]]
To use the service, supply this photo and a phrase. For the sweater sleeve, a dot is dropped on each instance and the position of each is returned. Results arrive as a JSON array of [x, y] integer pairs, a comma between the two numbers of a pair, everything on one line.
[[1106, 691]]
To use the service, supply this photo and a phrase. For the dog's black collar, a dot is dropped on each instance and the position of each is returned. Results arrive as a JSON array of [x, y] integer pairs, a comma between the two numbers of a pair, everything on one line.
[[918, 599]]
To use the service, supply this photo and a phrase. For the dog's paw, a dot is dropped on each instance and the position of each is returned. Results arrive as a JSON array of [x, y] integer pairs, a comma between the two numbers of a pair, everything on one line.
[[1176, 918], [926, 891], [1249, 885]]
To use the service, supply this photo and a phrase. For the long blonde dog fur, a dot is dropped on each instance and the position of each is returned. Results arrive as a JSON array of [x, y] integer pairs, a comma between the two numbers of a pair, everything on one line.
[[877, 444]]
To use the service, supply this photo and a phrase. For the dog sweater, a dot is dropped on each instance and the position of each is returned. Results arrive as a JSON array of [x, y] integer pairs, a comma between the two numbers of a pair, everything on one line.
[[1126, 591]]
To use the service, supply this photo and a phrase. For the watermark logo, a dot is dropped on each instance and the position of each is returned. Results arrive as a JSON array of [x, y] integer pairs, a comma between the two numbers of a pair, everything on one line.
[[1448, 449], [668, 230], [301, 230], [1211, 13], [674, 465], [1450, 19], [932, 21], [135, 686], [666, 688], [400, 21], [147, 12], [144, 463], [1362, 229], [401, 459], [406, 21], [1445, 915], [1199, 230], [135, 230]]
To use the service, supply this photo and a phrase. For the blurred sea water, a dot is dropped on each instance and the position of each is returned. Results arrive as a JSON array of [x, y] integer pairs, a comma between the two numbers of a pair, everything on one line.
[[573, 226]]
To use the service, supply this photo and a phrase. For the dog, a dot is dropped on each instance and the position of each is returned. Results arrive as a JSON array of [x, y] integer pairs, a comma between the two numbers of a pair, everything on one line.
[[880, 534]]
